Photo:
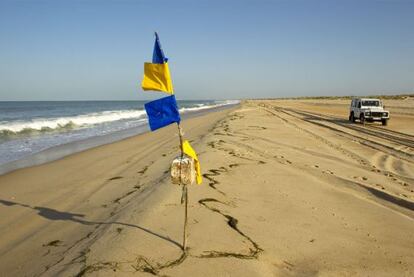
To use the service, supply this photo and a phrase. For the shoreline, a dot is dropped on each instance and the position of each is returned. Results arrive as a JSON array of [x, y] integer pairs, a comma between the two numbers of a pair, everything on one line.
[[60, 151]]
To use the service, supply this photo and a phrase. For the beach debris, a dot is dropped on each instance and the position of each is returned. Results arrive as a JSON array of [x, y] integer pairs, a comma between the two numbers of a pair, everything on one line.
[[185, 169]]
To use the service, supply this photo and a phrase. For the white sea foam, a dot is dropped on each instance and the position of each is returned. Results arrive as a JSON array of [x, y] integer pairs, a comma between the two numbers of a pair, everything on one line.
[[88, 120], [200, 107], [40, 124]]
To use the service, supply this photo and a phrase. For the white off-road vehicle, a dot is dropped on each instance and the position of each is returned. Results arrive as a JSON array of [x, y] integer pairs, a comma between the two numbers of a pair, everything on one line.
[[368, 109]]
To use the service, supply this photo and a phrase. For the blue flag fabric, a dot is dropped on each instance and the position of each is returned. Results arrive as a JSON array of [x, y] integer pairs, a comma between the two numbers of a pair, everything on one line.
[[158, 55], [162, 112]]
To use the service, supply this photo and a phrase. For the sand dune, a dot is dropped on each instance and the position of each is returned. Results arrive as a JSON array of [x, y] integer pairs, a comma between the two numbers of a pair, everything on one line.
[[290, 188]]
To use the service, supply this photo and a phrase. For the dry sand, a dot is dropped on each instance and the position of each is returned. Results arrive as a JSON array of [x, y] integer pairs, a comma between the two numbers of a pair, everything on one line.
[[290, 188]]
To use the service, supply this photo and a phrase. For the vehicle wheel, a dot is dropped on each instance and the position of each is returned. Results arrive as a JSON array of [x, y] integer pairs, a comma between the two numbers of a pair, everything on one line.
[[384, 122], [362, 119], [352, 117]]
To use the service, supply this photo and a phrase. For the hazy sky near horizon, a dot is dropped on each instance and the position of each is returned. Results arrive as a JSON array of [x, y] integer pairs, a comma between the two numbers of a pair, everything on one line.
[[95, 50]]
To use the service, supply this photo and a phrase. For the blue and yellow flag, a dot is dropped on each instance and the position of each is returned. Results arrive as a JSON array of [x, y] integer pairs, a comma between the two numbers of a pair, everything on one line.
[[162, 112], [187, 149], [157, 74], [158, 55]]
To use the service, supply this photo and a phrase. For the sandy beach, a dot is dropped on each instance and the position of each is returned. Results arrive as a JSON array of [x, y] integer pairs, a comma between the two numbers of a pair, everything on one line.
[[290, 188]]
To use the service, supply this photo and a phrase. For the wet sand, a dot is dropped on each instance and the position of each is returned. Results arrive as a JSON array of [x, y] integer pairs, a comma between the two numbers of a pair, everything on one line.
[[291, 188]]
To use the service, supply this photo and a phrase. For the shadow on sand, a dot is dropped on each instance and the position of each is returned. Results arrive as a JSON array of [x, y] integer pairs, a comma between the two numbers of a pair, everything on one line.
[[52, 214]]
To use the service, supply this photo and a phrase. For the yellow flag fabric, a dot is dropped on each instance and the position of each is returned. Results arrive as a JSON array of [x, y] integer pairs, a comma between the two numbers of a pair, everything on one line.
[[190, 152], [157, 77]]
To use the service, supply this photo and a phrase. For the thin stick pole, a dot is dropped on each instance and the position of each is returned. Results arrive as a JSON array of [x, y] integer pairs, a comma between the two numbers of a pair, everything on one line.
[[180, 134], [185, 218], [184, 195]]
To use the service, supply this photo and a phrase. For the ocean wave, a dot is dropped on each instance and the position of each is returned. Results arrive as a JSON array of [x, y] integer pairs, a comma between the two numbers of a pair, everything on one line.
[[200, 107], [65, 123], [5, 133]]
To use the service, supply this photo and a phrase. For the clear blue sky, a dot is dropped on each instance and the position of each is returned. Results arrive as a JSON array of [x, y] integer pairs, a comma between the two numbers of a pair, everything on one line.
[[95, 50]]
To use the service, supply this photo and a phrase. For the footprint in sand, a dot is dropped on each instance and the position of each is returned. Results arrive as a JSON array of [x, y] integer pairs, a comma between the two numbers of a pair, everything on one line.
[[261, 218], [257, 127], [363, 178], [54, 243], [143, 170], [288, 265], [115, 178]]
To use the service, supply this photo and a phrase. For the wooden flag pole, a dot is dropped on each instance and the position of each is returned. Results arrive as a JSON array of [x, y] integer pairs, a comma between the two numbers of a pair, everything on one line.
[[184, 195], [180, 134], [185, 217]]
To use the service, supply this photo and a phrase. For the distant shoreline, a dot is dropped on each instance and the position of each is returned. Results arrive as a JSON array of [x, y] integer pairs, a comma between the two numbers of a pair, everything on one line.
[[388, 96]]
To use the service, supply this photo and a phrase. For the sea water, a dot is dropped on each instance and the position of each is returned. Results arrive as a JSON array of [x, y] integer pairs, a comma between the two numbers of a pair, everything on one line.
[[27, 128]]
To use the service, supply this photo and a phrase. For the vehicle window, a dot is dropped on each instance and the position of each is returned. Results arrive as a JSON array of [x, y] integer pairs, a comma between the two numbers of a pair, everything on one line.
[[370, 103], [359, 104]]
